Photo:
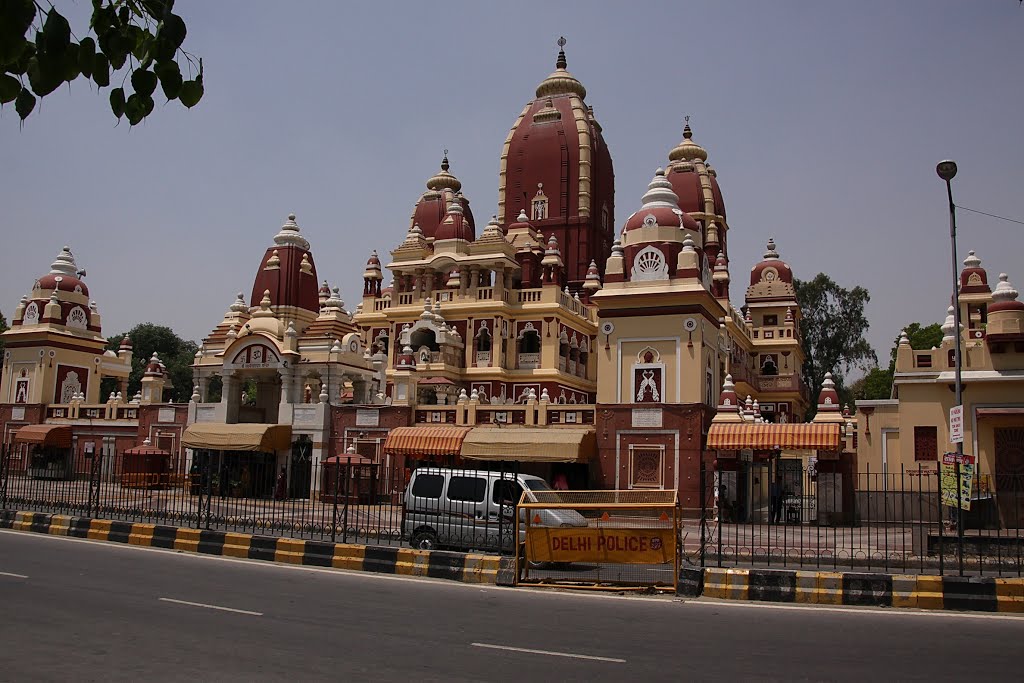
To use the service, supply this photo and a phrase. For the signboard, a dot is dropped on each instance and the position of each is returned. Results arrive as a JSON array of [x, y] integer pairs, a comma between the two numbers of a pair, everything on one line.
[[367, 417], [956, 424], [948, 483], [621, 546], [646, 417]]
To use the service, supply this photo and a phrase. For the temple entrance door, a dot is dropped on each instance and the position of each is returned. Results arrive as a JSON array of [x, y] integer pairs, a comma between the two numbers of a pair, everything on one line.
[[1009, 471], [301, 467]]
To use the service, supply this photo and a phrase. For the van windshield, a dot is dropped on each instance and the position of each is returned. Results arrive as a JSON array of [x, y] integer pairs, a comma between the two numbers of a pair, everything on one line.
[[537, 485]]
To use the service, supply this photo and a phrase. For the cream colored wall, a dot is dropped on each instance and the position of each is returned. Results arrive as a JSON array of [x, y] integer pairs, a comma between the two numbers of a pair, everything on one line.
[[684, 363], [43, 375]]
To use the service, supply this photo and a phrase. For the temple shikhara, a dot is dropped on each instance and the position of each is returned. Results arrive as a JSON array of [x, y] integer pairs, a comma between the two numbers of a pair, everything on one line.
[[596, 349]]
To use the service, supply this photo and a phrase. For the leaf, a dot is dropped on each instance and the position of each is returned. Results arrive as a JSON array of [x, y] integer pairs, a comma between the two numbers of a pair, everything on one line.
[[117, 102], [134, 109], [11, 48], [86, 56], [70, 69], [144, 81], [147, 105], [173, 30], [44, 75], [170, 79], [56, 33], [9, 88], [25, 103], [191, 93], [101, 70]]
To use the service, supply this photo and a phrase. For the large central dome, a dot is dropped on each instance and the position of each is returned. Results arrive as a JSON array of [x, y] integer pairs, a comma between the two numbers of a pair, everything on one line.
[[556, 167]]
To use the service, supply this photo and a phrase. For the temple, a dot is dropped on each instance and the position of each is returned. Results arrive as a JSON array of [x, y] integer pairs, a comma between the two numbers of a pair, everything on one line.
[[595, 351]]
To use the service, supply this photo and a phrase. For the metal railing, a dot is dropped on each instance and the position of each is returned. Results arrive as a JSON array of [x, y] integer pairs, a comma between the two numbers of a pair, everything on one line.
[[767, 514], [348, 499]]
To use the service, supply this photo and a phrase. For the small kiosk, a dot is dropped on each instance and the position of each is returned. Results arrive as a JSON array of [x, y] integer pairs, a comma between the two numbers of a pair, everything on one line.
[[146, 467], [49, 451]]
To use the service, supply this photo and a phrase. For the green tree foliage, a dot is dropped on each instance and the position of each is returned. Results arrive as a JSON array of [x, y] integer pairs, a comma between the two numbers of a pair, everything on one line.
[[3, 328], [832, 330], [39, 52], [877, 384], [176, 353]]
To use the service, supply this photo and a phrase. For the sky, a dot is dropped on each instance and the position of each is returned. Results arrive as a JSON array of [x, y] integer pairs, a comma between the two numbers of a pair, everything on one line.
[[823, 119]]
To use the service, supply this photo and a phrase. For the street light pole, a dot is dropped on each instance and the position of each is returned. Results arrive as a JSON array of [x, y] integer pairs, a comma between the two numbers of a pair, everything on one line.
[[946, 170]]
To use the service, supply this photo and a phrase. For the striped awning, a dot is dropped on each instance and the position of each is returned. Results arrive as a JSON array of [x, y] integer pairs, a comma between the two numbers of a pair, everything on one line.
[[734, 436], [425, 441], [58, 436], [530, 444]]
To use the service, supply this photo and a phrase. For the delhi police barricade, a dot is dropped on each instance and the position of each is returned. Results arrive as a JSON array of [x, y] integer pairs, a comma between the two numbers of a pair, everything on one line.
[[599, 539]]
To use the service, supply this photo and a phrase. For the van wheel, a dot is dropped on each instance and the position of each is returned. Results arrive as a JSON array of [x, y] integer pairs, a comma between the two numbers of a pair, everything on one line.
[[424, 540]]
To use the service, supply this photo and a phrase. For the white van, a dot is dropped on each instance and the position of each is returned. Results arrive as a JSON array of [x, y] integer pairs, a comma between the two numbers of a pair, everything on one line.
[[471, 509]]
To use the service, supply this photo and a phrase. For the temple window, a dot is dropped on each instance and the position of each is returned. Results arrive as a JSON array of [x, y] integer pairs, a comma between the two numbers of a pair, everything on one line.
[[540, 204]]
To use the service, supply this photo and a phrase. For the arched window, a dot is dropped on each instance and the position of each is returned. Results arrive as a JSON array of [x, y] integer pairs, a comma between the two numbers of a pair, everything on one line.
[[529, 342], [426, 338], [483, 340]]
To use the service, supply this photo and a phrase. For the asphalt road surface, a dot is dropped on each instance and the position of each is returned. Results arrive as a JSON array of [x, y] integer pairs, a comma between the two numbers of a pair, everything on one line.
[[87, 611]]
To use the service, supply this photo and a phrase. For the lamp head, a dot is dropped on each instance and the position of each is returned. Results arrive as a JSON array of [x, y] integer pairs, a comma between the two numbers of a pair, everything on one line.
[[946, 169]]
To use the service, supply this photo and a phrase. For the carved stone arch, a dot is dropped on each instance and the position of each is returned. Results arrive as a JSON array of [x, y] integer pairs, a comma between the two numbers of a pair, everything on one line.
[[649, 264], [642, 356]]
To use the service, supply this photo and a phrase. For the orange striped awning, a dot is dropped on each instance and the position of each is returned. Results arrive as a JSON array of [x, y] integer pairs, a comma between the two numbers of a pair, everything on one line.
[[425, 441], [734, 436]]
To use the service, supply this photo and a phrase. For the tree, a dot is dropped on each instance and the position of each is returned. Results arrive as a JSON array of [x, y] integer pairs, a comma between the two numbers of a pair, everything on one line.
[[877, 384], [37, 45], [176, 353], [832, 328], [3, 328]]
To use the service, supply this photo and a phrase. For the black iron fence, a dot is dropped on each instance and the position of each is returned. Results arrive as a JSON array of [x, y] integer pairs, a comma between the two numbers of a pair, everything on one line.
[[799, 514], [796, 514], [348, 499]]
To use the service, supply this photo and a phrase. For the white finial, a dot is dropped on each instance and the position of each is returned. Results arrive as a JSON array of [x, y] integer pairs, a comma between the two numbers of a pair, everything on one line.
[[904, 339], [972, 261]]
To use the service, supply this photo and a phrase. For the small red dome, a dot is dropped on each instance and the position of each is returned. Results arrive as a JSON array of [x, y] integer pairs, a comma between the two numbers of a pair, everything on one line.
[[771, 268], [455, 225], [63, 283], [686, 184]]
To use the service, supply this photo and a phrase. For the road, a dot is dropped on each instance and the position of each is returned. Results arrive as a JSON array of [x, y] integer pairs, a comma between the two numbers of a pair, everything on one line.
[[80, 610]]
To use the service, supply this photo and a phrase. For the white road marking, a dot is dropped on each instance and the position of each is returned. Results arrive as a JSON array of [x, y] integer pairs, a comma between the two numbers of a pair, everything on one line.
[[614, 660], [13, 576], [217, 607]]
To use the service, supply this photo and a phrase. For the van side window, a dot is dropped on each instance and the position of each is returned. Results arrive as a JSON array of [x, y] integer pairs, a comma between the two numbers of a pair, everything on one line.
[[469, 489], [507, 492], [428, 486]]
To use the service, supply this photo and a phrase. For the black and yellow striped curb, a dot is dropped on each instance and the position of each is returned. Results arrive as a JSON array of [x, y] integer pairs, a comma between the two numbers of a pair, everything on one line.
[[981, 594], [438, 564]]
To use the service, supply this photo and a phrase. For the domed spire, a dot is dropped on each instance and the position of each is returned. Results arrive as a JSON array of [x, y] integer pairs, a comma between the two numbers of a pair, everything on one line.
[[659, 192], [64, 264], [289, 234], [1004, 290], [949, 326], [592, 283], [771, 253], [239, 305], [561, 82], [972, 261], [373, 270], [687, 150], [443, 180]]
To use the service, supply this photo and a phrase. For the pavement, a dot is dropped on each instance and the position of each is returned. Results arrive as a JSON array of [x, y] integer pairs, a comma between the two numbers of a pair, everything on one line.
[[83, 610]]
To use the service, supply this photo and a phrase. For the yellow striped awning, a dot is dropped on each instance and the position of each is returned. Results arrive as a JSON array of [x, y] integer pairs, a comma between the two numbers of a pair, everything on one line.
[[425, 441], [530, 444], [734, 436]]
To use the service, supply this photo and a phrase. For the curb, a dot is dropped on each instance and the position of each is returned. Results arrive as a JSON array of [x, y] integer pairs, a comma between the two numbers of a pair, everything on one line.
[[437, 564], [977, 594]]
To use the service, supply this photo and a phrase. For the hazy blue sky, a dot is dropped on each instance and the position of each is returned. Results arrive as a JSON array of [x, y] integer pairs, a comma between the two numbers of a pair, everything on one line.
[[823, 119]]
